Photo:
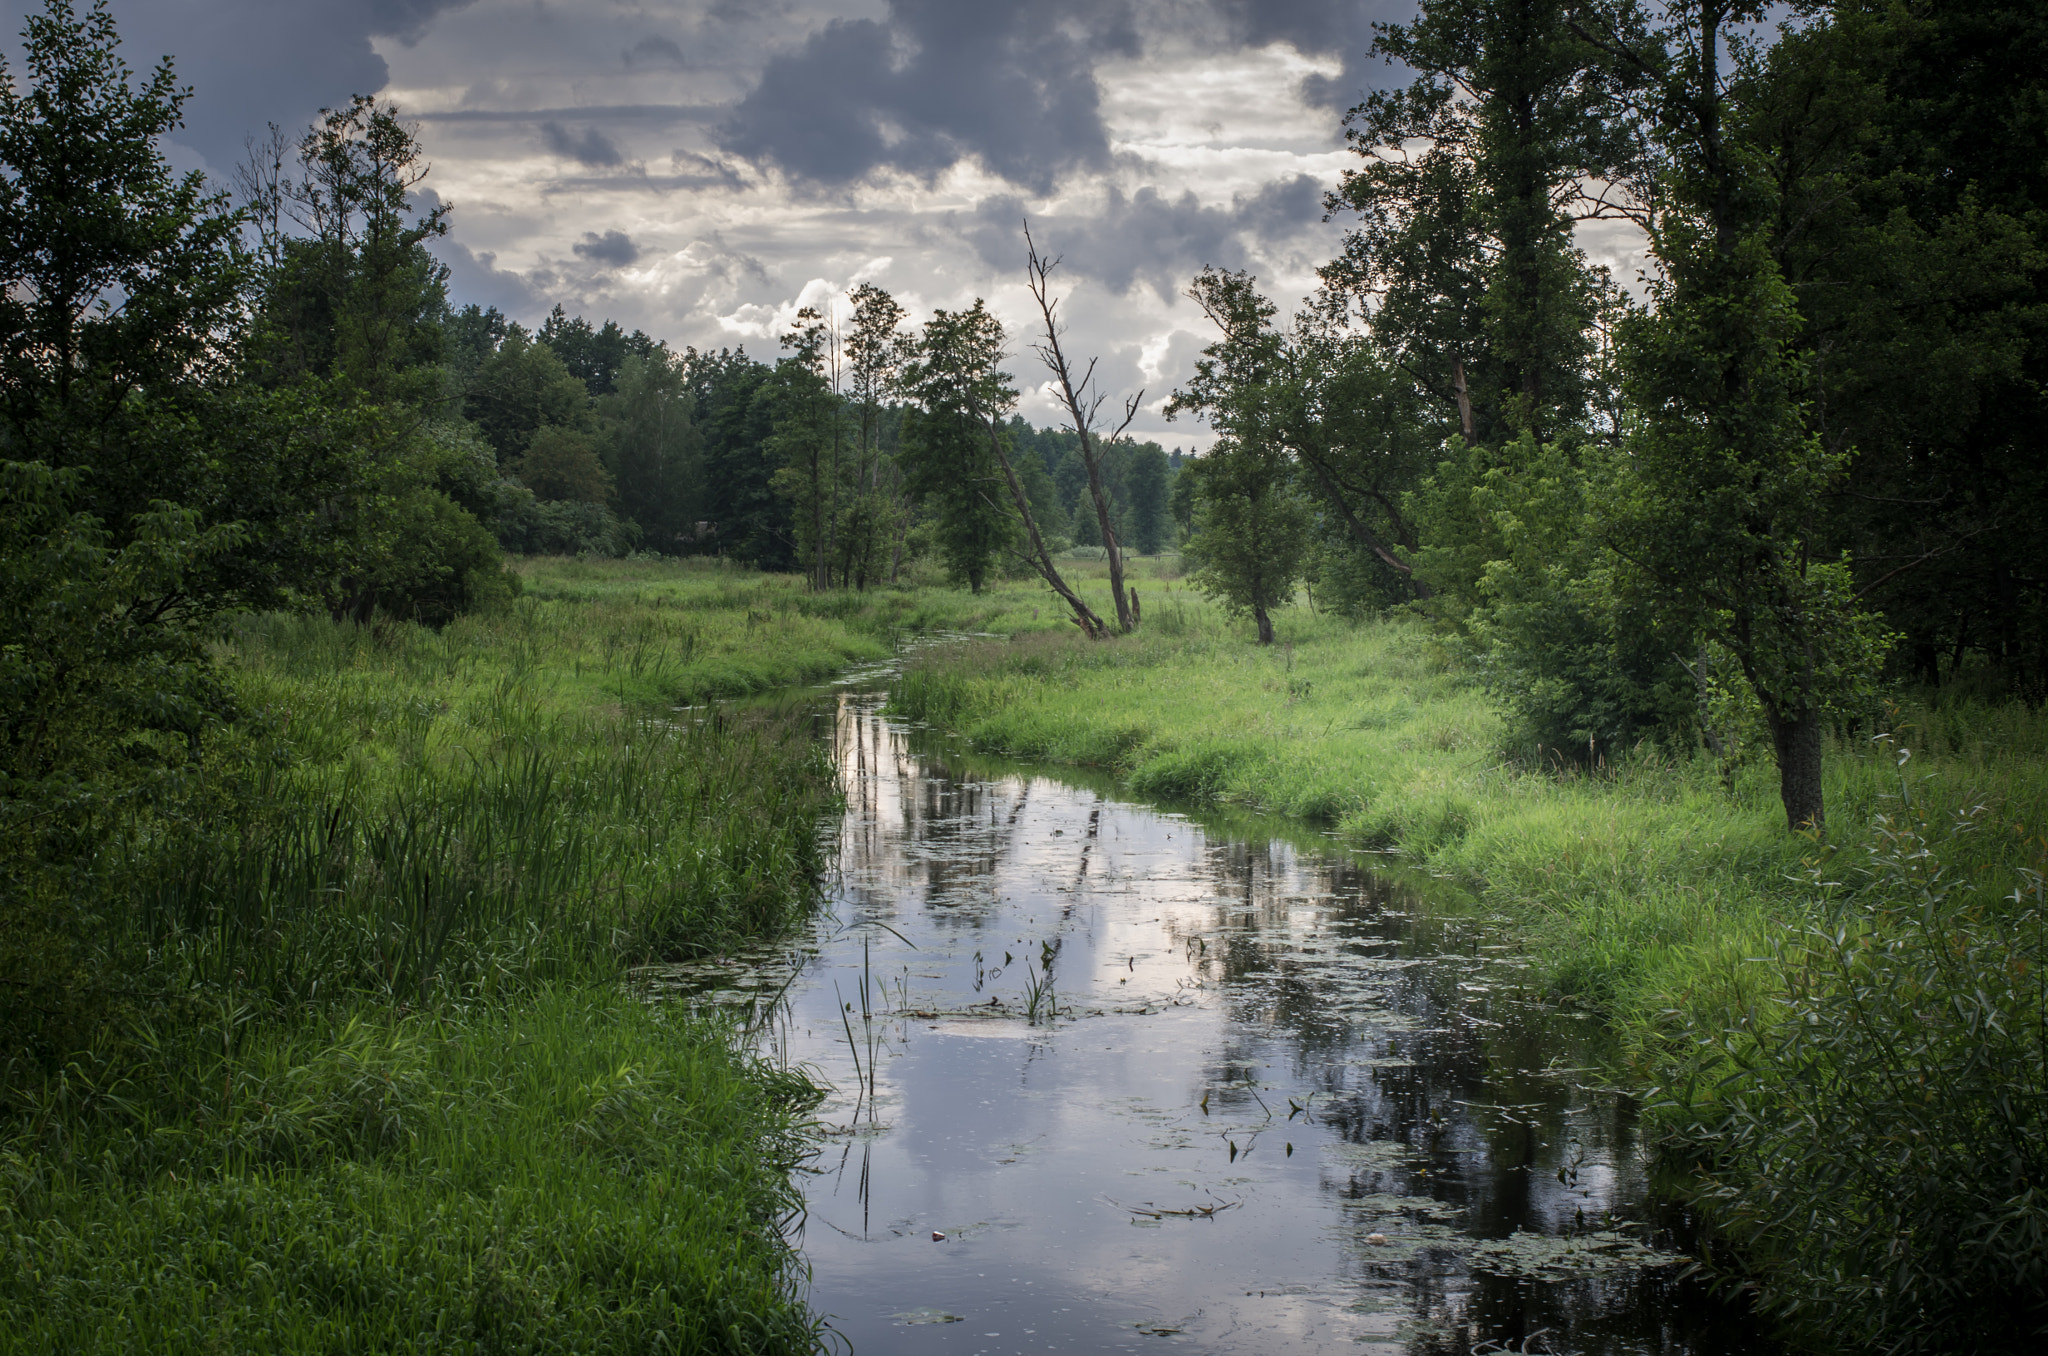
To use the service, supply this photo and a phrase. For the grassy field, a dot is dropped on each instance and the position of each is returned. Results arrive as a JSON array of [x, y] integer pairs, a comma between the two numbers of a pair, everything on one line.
[[1642, 886], [377, 1083]]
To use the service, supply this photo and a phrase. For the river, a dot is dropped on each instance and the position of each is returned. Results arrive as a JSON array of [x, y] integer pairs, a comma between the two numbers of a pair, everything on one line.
[[1109, 1078]]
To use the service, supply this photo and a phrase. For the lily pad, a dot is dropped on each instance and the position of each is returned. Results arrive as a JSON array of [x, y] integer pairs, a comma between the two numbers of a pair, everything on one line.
[[1541, 1257], [927, 1314]]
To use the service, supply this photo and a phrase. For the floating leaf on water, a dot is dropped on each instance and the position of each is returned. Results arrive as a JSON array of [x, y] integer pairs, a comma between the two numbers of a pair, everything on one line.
[[926, 1314], [1414, 1207], [1374, 1155], [1541, 1257]]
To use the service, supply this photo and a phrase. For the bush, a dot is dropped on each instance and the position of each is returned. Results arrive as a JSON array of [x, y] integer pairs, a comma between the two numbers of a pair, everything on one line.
[[442, 563], [1518, 565], [565, 527], [108, 707], [1880, 1149]]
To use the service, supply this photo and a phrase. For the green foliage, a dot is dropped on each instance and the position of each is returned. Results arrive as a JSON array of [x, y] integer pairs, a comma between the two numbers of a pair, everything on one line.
[[654, 450], [596, 356], [1144, 481], [104, 714], [1250, 533], [1877, 1136], [1250, 523], [356, 298], [749, 521], [1716, 515], [1514, 557], [950, 460], [520, 389], [1463, 251], [561, 463], [809, 436], [90, 215]]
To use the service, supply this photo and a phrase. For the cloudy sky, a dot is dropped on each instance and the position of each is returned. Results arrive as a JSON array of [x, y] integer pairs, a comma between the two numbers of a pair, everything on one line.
[[701, 168]]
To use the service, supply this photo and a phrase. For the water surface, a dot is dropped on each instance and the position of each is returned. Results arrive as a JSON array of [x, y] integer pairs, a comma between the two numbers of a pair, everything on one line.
[[1114, 1079]]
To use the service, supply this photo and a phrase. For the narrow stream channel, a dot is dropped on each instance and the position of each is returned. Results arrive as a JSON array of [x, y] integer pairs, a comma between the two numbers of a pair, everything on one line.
[[1113, 1079]]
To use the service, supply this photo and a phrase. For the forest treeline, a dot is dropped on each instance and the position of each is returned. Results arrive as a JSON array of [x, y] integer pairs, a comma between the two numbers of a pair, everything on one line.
[[608, 442]]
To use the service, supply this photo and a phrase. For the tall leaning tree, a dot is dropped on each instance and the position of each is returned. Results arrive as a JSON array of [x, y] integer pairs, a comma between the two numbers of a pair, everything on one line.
[[1083, 402]]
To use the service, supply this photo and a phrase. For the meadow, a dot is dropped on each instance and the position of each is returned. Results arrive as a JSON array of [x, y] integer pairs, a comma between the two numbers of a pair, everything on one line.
[[380, 1080], [374, 1076]]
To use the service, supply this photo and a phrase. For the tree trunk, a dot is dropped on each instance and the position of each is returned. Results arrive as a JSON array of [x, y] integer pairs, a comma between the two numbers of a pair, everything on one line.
[[1265, 625], [1091, 456], [1091, 625], [1360, 533], [1798, 740]]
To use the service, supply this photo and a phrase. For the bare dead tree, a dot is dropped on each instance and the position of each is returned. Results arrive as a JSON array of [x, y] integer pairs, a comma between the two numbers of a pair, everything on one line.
[[1084, 404], [1037, 556]]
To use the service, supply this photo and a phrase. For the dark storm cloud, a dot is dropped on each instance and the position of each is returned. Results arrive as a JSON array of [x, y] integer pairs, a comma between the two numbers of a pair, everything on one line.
[[1147, 237], [475, 279], [613, 249], [593, 148], [654, 51], [1010, 83], [252, 62], [1340, 28]]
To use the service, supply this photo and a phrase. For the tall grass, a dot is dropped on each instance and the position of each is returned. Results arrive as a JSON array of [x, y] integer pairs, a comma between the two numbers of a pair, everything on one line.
[[380, 1084], [582, 1173], [494, 863]]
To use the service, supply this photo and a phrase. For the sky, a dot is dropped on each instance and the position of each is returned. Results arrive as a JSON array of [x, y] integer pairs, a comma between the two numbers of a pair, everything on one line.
[[700, 169]]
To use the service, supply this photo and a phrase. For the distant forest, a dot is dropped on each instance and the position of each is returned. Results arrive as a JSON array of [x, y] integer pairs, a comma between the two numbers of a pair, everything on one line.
[[610, 442]]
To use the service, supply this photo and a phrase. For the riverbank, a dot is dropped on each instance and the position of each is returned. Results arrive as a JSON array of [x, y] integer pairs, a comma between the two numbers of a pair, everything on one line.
[[1664, 893], [370, 1078], [1633, 884]]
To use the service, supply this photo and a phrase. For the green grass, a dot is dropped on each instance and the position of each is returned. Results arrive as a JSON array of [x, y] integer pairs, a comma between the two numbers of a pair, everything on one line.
[[376, 1081], [1641, 887], [579, 1173]]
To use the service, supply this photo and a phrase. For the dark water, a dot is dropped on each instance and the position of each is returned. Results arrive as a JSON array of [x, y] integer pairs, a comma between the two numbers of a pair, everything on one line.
[[1270, 1101]]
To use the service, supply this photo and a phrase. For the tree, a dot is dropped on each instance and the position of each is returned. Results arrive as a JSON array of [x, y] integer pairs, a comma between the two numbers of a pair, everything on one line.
[[653, 448], [746, 519], [1145, 480], [520, 389], [876, 514], [1912, 227], [803, 398], [949, 454], [562, 463], [1720, 517], [1083, 404], [1251, 526], [1471, 179], [354, 296], [960, 367], [594, 357]]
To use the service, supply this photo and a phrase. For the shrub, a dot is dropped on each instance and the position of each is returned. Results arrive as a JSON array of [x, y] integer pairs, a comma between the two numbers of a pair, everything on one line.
[[1880, 1148]]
